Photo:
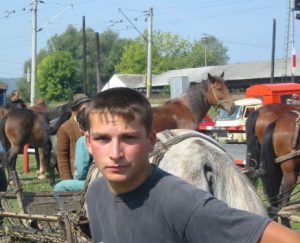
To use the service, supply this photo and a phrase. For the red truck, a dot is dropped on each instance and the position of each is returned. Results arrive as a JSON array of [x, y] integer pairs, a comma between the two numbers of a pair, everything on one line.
[[273, 93]]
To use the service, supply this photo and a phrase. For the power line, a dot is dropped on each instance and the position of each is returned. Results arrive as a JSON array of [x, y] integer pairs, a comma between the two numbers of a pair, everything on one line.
[[120, 10]]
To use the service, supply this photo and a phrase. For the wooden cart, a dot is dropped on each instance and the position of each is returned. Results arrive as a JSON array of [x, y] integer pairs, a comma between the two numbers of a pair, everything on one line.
[[42, 216]]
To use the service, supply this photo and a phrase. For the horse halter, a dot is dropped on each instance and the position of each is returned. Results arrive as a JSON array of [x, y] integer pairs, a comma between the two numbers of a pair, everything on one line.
[[214, 94], [216, 98]]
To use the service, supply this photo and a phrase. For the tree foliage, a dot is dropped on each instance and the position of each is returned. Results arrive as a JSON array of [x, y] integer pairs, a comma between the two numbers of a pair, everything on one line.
[[56, 77], [111, 47], [169, 52]]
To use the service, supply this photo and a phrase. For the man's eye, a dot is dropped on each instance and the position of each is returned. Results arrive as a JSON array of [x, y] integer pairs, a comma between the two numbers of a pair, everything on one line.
[[129, 137], [102, 139]]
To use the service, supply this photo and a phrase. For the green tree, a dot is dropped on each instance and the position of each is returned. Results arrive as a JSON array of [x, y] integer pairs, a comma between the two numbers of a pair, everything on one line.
[[111, 51], [56, 77], [170, 51], [216, 53], [133, 60], [23, 84], [111, 47]]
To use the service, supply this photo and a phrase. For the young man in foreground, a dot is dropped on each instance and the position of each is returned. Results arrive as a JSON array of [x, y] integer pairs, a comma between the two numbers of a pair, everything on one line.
[[135, 201]]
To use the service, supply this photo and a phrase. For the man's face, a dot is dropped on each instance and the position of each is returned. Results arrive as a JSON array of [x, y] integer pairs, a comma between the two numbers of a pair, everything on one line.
[[15, 97], [120, 150]]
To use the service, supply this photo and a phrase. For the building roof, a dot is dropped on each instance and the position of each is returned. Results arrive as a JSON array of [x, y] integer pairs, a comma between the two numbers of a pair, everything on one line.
[[233, 72]]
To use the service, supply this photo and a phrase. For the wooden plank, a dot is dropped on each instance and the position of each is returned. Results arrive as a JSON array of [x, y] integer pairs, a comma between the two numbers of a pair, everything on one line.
[[44, 203]]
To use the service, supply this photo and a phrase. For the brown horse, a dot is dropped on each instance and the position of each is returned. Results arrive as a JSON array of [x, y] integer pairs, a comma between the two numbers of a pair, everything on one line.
[[21, 126], [256, 125], [280, 156], [189, 109]]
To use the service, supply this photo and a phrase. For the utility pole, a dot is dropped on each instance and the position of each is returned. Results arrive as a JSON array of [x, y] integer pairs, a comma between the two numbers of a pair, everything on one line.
[[205, 49], [293, 67], [273, 51], [97, 63], [84, 56], [149, 57], [33, 51]]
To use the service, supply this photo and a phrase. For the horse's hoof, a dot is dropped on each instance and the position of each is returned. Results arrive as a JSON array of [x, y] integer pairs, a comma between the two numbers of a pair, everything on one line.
[[41, 177]]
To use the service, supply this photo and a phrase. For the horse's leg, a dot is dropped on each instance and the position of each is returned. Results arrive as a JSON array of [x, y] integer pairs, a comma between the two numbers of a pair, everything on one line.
[[37, 159], [10, 159], [42, 170], [289, 181], [48, 160]]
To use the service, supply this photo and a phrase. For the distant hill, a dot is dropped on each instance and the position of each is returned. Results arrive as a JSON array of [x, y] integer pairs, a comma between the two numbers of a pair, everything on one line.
[[11, 84]]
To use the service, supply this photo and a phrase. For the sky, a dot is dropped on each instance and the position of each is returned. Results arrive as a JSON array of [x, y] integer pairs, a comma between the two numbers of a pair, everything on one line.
[[245, 27]]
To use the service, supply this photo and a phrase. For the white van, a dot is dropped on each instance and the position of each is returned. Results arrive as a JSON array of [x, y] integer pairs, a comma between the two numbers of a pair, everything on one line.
[[231, 128]]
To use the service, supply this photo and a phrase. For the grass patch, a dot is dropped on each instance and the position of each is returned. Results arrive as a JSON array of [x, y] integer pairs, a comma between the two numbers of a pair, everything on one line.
[[29, 180]]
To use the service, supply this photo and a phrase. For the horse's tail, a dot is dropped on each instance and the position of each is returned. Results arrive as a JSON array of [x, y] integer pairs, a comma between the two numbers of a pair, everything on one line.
[[253, 146], [272, 175], [3, 138]]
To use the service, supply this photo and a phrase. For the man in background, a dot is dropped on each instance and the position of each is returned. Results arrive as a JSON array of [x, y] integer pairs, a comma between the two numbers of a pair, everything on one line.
[[15, 101], [67, 135]]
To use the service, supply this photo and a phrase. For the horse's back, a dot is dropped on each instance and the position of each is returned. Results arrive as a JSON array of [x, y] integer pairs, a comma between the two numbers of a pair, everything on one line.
[[19, 121], [172, 115], [24, 125], [283, 135], [267, 114]]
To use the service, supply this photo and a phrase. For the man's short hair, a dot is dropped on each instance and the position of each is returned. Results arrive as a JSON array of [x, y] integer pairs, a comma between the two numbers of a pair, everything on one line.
[[125, 102]]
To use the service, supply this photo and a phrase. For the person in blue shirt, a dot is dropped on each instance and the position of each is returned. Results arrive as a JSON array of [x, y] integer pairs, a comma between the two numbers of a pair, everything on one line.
[[83, 160]]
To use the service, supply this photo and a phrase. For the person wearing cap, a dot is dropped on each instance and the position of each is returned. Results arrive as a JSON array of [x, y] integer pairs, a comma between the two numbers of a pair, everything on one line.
[[67, 135], [293, 100]]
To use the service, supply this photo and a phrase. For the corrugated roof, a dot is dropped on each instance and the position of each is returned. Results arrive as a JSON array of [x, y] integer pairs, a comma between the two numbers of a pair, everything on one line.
[[240, 71]]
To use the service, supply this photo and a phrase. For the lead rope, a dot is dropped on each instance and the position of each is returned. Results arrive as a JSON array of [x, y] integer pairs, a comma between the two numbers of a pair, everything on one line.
[[163, 147], [216, 98], [213, 91]]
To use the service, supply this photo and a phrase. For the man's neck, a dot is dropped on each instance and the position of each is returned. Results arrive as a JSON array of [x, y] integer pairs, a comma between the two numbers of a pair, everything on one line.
[[124, 187]]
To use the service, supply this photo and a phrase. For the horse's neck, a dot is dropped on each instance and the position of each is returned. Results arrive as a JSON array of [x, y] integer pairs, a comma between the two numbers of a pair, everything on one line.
[[196, 101]]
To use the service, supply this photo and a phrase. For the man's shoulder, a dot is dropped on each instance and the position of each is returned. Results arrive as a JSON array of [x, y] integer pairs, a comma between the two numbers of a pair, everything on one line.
[[169, 184], [96, 186], [66, 125]]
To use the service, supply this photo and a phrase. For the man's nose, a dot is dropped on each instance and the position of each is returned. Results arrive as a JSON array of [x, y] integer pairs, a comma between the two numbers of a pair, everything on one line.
[[116, 150]]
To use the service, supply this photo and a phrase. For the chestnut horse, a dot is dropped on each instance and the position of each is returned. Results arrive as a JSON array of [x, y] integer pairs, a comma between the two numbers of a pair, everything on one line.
[[256, 125], [280, 156], [189, 109]]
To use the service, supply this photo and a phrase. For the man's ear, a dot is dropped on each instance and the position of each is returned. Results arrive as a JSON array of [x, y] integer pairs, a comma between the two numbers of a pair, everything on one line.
[[152, 139], [88, 141]]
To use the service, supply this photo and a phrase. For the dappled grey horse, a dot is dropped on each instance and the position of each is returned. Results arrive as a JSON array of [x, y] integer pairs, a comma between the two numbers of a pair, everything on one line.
[[201, 161]]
